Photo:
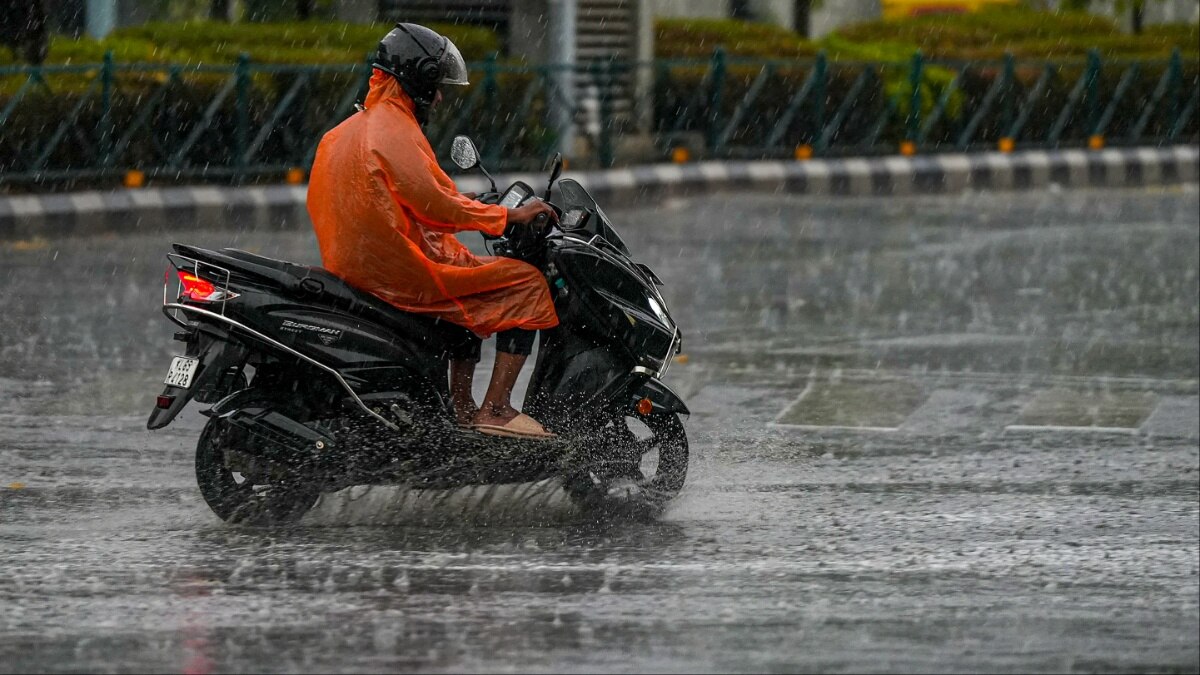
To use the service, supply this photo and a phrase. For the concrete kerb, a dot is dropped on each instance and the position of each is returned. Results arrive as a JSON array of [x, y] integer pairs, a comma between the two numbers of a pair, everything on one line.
[[282, 206]]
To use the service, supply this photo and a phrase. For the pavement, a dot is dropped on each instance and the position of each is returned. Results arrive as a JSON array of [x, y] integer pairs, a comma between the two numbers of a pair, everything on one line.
[[929, 434]]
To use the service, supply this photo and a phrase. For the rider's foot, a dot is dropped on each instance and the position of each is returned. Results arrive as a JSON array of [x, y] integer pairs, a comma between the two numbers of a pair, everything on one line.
[[495, 415], [508, 421]]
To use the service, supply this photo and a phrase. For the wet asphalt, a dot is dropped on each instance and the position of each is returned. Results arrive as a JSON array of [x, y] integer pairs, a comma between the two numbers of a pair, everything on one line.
[[930, 434]]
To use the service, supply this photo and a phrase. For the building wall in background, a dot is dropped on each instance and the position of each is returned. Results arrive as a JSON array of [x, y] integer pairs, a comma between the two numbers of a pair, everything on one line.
[[1156, 11], [837, 13]]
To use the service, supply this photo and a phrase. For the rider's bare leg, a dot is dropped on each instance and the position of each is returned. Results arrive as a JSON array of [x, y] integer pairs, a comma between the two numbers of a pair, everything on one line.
[[462, 376], [497, 406]]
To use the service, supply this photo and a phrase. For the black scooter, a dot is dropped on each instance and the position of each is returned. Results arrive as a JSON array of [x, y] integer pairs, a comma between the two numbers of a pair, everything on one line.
[[315, 386]]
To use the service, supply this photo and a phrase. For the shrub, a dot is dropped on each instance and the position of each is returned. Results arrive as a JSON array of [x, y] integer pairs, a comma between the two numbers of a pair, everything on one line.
[[1024, 32], [697, 38], [217, 43]]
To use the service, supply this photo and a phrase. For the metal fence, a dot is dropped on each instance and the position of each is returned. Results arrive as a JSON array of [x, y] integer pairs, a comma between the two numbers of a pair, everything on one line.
[[95, 123]]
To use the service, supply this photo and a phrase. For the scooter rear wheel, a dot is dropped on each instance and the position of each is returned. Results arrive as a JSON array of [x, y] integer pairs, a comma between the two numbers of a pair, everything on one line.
[[240, 498]]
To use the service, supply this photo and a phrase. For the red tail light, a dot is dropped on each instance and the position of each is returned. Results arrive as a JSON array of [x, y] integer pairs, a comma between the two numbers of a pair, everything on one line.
[[194, 287], [200, 290]]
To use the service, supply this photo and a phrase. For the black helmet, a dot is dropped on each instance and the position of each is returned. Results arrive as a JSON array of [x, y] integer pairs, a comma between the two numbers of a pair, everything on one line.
[[420, 60]]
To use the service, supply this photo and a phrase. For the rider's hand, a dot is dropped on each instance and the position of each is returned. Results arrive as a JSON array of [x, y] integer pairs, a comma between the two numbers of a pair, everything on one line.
[[531, 210]]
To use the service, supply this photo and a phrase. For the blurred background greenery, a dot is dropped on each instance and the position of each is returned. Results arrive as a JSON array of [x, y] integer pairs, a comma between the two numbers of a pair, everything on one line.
[[305, 31]]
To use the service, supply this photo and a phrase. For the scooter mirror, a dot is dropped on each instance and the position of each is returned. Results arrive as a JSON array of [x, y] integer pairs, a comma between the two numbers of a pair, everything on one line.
[[463, 153], [555, 172]]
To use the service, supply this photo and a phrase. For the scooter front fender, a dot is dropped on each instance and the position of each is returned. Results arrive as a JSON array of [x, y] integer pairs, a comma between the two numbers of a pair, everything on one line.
[[664, 400]]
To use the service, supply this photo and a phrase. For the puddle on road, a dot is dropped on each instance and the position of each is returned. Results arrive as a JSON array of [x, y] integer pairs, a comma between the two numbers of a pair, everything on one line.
[[543, 502]]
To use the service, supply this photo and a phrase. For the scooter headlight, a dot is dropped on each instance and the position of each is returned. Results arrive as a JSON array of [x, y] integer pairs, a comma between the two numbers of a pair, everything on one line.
[[658, 310]]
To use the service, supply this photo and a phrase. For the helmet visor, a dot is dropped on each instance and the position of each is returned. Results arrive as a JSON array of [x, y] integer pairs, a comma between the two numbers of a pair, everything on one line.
[[454, 69]]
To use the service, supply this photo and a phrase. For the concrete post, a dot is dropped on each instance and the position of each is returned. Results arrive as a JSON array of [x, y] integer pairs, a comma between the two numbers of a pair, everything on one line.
[[101, 18], [562, 59], [643, 104]]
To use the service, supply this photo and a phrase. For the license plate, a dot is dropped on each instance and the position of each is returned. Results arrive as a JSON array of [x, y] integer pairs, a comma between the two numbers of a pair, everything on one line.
[[182, 369]]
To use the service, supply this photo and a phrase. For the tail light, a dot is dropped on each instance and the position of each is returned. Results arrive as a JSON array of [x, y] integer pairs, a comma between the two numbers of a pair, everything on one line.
[[199, 289]]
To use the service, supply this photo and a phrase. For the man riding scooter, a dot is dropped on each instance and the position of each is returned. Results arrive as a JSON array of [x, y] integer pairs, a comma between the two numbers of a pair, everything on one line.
[[385, 215]]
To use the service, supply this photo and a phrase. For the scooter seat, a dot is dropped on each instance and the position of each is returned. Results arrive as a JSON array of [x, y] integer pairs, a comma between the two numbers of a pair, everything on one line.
[[320, 286]]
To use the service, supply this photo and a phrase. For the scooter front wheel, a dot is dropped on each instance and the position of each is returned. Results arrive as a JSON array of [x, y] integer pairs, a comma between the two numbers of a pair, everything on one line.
[[239, 493], [648, 468], [664, 456]]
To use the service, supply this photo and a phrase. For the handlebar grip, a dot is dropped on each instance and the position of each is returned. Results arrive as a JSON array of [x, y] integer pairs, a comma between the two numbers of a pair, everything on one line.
[[540, 219]]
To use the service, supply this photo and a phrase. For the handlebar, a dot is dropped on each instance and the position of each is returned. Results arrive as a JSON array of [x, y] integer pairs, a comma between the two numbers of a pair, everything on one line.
[[520, 240]]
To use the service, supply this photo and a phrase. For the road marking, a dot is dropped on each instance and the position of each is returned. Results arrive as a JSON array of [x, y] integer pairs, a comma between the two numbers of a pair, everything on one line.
[[1040, 428], [833, 427]]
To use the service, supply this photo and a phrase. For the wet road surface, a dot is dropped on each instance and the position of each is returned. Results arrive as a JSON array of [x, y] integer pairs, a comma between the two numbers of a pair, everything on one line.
[[930, 434]]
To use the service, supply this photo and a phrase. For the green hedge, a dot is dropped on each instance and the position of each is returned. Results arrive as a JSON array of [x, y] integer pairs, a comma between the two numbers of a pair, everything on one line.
[[179, 104], [680, 88], [1022, 32], [194, 43], [985, 35], [219, 43], [697, 38], [187, 96]]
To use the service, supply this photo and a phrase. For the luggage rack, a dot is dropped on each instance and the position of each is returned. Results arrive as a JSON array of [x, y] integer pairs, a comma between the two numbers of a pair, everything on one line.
[[211, 272]]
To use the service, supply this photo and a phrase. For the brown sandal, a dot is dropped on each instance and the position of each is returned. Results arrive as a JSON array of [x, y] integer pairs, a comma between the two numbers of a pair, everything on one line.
[[521, 426]]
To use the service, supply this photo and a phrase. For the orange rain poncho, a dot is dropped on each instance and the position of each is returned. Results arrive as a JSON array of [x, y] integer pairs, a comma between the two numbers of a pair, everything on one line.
[[385, 213]]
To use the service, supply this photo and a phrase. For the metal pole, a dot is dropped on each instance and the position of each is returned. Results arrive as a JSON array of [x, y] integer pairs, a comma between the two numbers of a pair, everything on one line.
[[820, 80], [1009, 95], [562, 66], [1175, 87], [106, 127], [242, 130], [101, 17], [914, 103], [1093, 90], [603, 73], [492, 153], [715, 96]]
